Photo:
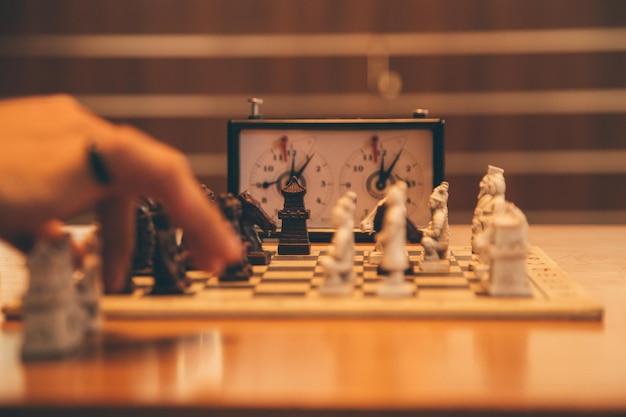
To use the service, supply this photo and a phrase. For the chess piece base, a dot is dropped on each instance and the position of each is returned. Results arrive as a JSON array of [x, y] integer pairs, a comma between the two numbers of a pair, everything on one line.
[[375, 257], [261, 257], [390, 290], [294, 249], [438, 265]]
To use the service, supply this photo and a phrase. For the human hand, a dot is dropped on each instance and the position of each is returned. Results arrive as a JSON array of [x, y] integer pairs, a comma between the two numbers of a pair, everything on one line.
[[45, 176]]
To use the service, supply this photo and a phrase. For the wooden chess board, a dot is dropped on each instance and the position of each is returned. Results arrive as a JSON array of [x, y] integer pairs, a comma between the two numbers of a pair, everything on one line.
[[289, 288]]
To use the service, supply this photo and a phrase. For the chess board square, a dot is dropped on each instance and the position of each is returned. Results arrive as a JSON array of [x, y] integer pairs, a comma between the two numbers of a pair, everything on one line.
[[217, 284], [296, 274], [259, 269], [441, 283], [226, 294], [448, 294], [309, 264], [142, 281], [279, 288], [294, 258], [453, 274], [197, 275]]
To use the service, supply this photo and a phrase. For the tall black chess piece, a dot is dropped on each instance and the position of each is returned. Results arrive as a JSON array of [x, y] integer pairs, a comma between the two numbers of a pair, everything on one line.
[[294, 235]]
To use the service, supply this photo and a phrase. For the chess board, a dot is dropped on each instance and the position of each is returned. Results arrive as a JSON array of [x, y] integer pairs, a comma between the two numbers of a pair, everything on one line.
[[290, 288]]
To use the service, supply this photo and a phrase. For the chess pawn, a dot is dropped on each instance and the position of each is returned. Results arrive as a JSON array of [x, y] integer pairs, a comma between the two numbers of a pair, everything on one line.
[[395, 260]]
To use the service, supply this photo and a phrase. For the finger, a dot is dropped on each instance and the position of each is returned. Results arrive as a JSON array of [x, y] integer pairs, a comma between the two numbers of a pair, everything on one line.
[[143, 166], [117, 231]]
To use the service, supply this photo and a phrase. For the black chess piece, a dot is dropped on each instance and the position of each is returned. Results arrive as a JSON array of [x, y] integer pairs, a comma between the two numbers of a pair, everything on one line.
[[169, 259], [254, 215], [294, 235], [231, 207], [144, 237]]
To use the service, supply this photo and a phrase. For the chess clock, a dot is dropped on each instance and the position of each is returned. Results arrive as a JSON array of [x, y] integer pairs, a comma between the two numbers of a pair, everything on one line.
[[333, 156]]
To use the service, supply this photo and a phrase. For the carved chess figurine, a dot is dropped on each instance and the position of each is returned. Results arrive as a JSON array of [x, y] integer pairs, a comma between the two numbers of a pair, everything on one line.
[[506, 242], [373, 223], [169, 260], [437, 234], [89, 281], [395, 261], [231, 207], [490, 197], [340, 260], [54, 322], [253, 214], [294, 234], [144, 237]]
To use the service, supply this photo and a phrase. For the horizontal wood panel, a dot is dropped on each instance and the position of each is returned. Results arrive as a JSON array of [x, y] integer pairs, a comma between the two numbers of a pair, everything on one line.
[[20, 76], [537, 132], [303, 16], [192, 135], [463, 133], [547, 192]]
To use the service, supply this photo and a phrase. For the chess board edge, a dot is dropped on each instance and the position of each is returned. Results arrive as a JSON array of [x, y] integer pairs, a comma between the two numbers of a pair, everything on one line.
[[555, 297]]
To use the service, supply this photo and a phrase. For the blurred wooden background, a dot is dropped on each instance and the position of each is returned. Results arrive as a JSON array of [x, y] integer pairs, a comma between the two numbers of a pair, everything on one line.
[[537, 87]]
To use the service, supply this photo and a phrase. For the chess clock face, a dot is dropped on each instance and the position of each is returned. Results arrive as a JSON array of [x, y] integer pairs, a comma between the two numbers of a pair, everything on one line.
[[333, 156]]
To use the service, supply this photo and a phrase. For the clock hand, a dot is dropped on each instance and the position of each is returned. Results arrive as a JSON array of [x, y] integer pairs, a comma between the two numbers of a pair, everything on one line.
[[302, 168], [393, 163], [384, 175], [266, 184], [380, 185], [292, 171]]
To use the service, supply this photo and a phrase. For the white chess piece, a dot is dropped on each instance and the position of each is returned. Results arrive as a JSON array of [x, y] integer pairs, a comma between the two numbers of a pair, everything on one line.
[[338, 265], [54, 322], [437, 235], [89, 285], [367, 226], [393, 236], [506, 244], [490, 198]]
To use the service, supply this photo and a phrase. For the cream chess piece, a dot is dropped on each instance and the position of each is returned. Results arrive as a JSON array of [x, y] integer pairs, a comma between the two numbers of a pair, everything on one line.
[[338, 265], [395, 260], [437, 235], [506, 243], [490, 198]]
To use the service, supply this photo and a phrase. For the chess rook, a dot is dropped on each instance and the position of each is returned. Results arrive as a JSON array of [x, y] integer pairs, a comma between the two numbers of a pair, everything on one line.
[[294, 235]]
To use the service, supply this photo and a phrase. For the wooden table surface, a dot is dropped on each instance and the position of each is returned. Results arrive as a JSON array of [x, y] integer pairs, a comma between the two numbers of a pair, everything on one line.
[[279, 367]]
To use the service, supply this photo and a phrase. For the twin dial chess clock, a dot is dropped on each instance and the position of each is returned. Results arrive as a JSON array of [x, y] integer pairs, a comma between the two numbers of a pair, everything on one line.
[[333, 156]]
